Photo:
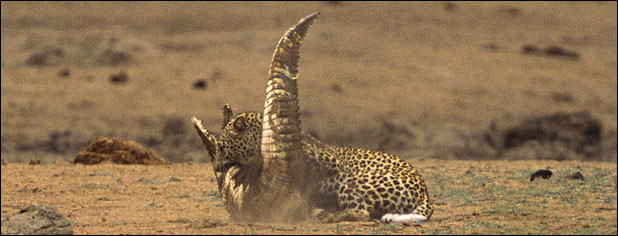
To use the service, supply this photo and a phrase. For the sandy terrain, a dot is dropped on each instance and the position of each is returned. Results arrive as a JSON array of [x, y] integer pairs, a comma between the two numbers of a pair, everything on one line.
[[424, 81], [471, 197]]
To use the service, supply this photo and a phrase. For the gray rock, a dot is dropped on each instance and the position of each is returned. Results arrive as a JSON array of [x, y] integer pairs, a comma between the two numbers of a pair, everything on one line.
[[37, 220]]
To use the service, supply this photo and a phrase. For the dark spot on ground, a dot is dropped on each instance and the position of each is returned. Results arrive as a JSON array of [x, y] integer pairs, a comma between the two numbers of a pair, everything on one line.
[[64, 73], [552, 51], [545, 174], [576, 175], [34, 161], [509, 11], [200, 84], [449, 6], [562, 97], [119, 78], [336, 88]]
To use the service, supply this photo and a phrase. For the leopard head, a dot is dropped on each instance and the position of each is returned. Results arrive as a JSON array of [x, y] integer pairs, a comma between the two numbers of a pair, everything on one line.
[[239, 140]]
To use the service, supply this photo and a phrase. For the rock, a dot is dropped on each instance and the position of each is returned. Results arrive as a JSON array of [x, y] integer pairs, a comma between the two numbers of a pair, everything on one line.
[[576, 175], [545, 174], [39, 220]]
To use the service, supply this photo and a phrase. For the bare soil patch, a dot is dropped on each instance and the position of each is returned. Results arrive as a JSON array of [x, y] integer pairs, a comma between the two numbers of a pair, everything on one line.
[[472, 197]]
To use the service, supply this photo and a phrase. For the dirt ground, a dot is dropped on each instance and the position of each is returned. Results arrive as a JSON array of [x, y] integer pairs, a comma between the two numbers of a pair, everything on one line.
[[472, 197], [424, 81]]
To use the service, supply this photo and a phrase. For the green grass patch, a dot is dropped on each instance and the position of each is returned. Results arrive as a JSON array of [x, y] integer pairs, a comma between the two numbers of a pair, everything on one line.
[[96, 185], [147, 180], [342, 229], [174, 179], [280, 228], [184, 195], [386, 228]]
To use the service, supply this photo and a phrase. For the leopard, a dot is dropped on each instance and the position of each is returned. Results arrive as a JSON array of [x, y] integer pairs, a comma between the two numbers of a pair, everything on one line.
[[263, 161]]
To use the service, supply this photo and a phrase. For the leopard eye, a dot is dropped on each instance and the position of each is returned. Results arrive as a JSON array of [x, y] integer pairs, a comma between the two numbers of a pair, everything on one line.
[[239, 124]]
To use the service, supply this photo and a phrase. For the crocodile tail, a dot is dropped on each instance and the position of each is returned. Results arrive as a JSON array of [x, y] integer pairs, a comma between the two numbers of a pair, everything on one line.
[[281, 139]]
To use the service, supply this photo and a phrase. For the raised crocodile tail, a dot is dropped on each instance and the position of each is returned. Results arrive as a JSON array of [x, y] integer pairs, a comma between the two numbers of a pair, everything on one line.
[[281, 125], [281, 140]]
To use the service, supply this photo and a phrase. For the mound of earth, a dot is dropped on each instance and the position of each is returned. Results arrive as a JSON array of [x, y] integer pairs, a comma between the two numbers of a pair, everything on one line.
[[115, 150], [576, 132]]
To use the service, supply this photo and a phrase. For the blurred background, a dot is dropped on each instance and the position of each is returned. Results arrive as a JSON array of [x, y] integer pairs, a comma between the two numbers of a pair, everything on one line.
[[448, 80]]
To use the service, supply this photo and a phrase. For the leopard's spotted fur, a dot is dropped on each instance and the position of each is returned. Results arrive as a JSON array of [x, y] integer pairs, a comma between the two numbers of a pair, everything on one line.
[[349, 183]]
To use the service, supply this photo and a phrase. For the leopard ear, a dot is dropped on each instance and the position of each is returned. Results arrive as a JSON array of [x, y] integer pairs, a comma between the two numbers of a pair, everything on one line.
[[239, 124], [227, 114]]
